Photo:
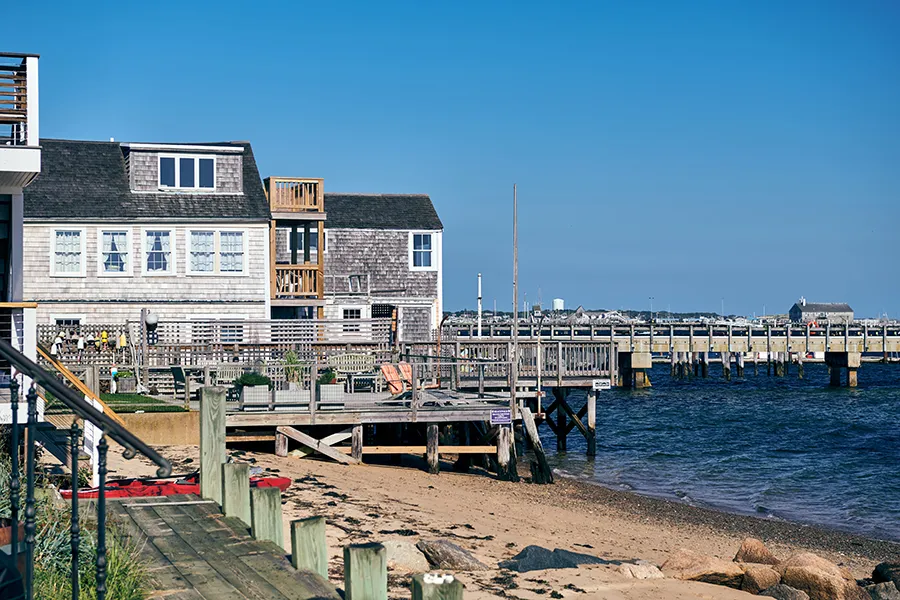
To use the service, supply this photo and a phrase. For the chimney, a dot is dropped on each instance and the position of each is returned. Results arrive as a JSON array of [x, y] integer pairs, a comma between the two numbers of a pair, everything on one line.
[[802, 301]]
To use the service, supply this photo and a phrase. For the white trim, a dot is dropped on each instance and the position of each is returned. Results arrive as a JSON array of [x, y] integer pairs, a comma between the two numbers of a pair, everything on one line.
[[217, 252], [80, 317], [83, 237], [439, 308], [184, 147], [129, 243], [173, 264], [433, 266], [178, 158]]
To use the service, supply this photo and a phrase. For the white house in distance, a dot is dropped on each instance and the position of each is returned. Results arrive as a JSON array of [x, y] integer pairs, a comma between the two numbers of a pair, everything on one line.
[[111, 228]]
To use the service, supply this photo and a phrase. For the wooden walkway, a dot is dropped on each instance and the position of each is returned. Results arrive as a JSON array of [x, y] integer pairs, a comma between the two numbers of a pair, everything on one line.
[[194, 552]]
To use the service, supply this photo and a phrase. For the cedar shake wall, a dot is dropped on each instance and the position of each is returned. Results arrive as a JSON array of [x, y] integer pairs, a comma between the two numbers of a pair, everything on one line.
[[143, 171], [114, 313], [214, 293]]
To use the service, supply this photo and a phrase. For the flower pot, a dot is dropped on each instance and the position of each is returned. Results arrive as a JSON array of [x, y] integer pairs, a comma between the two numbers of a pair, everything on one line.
[[331, 395], [126, 385], [255, 394]]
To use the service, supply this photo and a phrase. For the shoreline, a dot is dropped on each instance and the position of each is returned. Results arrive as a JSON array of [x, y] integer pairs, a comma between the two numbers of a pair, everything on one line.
[[494, 520], [779, 531]]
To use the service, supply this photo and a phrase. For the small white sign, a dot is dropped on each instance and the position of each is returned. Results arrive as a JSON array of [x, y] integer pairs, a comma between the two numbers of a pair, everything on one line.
[[501, 416], [601, 384]]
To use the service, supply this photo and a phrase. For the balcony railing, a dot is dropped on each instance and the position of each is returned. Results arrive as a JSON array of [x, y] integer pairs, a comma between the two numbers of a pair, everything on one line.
[[297, 281], [295, 195], [18, 100]]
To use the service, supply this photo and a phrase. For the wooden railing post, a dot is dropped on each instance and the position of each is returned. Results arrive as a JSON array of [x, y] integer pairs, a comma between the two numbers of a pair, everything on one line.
[[212, 442], [265, 515], [365, 572], [426, 586], [236, 495], [309, 549]]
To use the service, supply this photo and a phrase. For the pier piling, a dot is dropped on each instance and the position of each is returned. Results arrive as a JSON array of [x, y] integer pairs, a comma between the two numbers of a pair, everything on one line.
[[726, 365], [592, 424]]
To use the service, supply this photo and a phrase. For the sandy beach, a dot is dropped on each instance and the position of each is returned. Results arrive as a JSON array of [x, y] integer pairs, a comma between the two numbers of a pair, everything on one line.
[[495, 520]]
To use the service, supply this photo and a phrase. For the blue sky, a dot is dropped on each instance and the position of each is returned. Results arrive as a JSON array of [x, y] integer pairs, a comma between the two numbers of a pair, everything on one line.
[[689, 151]]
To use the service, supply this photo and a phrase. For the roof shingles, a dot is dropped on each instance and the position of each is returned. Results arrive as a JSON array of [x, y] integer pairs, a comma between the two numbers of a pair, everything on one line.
[[83, 180], [381, 211]]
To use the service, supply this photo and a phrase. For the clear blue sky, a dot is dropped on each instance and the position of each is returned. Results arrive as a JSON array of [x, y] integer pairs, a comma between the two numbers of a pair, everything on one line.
[[689, 151]]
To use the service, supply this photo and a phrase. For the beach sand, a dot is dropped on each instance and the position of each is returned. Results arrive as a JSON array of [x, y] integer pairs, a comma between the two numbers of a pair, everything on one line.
[[495, 520]]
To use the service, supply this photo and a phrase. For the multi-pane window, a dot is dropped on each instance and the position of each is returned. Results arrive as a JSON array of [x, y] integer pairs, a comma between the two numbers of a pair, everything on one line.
[[68, 252], [231, 251], [187, 172], [215, 251], [421, 250], [158, 251], [114, 252], [202, 254], [352, 314]]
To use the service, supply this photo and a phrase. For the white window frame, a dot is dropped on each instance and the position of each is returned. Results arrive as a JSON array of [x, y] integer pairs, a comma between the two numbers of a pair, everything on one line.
[[80, 317], [178, 186], [433, 251], [83, 237], [173, 264], [217, 252], [129, 243]]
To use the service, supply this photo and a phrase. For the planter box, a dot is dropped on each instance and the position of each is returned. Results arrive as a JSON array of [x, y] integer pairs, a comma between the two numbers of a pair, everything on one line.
[[126, 385], [255, 394], [331, 394]]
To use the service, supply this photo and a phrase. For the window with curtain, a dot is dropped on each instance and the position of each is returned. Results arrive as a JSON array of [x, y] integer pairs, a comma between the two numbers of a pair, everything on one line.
[[67, 254], [231, 251], [114, 251], [158, 250], [202, 251]]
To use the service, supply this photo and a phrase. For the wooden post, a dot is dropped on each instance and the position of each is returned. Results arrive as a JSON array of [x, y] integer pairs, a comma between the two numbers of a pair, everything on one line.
[[265, 515], [540, 470], [726, 365], [365, 572], [356, 442], [281, 444], [672, 363], [506, 462], [562, 421], [212, 442], [436, 587], [431, 449], [592, 423], [236, 493], [704, 356], [800, 365], [187, 391], [309, 550], [145, 351]]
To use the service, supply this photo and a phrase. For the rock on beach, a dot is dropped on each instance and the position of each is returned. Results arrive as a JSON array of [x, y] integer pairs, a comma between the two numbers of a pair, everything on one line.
[[753, 550], [688, 565], [887, 572], [819, 578], [784, 592], [640, 570], [446, 555], [885, 590], [758, 578]]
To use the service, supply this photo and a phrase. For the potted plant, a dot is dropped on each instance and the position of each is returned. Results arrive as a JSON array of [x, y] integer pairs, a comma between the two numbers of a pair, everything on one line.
[[330, 391], [254, 387], [126, 382]]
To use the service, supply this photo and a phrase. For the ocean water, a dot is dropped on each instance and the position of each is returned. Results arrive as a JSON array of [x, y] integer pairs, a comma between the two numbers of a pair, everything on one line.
[[779, 448]]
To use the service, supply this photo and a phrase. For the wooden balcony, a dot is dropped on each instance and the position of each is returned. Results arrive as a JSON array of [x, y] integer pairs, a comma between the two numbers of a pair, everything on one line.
[[298, 282], [295, 195], [20, 154]]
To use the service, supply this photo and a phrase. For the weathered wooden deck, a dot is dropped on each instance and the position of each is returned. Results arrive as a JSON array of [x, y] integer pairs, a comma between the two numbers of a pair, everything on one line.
[[194, 552]]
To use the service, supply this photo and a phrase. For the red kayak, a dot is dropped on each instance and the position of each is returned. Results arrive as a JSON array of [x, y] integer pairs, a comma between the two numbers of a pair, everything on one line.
[[179, 484]]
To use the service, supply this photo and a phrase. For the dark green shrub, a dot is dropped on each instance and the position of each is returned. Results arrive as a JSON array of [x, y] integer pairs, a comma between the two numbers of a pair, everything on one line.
[[253, 378]]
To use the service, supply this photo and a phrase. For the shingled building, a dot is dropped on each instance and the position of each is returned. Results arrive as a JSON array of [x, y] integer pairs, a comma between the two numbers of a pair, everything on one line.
[[181, 229], [820, 312], [384, 252]]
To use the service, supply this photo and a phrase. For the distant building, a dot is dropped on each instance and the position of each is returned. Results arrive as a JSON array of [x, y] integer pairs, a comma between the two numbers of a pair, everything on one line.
[[558, 304], [820, 312]]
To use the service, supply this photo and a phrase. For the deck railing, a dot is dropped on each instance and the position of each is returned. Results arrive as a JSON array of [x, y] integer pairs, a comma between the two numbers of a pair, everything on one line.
[[104, 424], [14, 99], [297, 281], [292, 194]]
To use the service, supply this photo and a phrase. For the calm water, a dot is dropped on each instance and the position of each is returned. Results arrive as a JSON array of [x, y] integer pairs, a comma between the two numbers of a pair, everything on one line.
[[775, 447]]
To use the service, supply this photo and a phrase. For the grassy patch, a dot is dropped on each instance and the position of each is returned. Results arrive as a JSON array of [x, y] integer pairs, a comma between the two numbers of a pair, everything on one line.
[[135, 402]]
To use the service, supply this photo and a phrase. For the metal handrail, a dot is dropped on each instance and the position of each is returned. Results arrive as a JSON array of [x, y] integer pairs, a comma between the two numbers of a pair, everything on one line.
[[83, 409]]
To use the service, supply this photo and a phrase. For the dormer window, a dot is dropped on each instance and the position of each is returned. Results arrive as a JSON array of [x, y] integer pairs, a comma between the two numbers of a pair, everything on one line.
[[187, 172]]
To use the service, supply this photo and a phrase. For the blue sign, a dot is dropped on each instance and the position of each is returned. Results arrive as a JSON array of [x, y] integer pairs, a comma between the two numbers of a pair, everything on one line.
[[501, 416]]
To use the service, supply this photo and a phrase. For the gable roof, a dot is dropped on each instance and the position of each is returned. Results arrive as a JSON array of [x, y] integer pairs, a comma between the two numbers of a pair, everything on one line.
[[824, 307], [380, 211], [84, 180]]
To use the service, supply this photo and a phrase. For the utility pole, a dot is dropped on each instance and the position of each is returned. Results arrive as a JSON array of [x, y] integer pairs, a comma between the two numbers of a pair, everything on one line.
[[479, 305], [514, 359]]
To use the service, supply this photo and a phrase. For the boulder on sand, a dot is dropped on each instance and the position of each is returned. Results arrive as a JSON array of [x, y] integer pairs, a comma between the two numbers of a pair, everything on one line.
[[691, 566], [819, 578], [536, 558], [640, 570], [446, 555], [753, 550], [403, 555], [784, 592], [886, 590], [887, 572], [758, 578]]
